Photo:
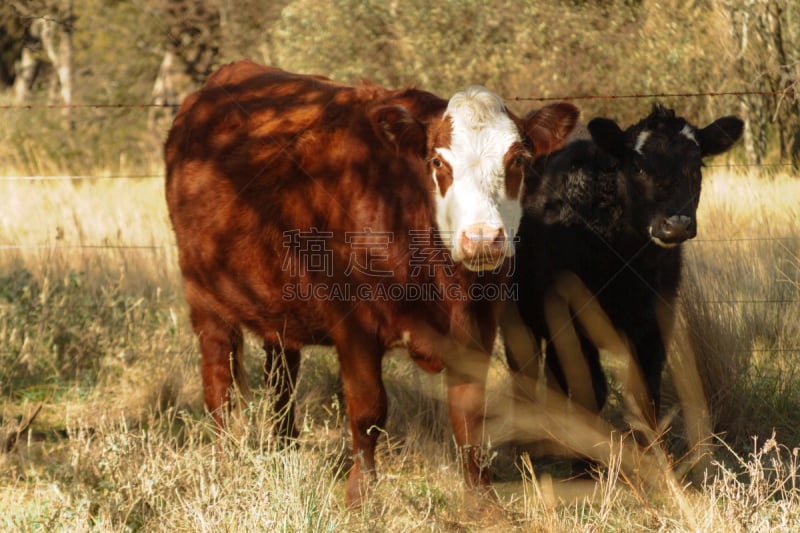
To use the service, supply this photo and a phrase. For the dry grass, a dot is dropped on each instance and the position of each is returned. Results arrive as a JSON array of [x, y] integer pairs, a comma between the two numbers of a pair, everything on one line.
[[741, 303], [100, 339], [106, 225]]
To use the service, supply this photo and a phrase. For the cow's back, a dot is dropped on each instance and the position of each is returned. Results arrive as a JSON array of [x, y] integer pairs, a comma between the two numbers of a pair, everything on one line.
[[237, 181], [259, 157]]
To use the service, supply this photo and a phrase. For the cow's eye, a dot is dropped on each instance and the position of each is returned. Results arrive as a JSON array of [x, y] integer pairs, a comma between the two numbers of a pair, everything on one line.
[[436, 162], [519, 161]]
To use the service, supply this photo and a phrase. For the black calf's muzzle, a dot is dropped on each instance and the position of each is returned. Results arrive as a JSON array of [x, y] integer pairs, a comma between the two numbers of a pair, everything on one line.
[[673, 230]]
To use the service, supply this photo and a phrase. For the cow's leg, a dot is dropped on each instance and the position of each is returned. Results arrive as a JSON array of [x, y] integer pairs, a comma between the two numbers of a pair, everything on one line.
[[596, 332], [466, 383], [281, 366], [221, 361], [651, 355], [365, 398]]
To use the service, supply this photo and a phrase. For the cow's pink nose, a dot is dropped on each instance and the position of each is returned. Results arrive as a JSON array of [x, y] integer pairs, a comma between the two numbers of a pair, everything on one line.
[[483, 246]]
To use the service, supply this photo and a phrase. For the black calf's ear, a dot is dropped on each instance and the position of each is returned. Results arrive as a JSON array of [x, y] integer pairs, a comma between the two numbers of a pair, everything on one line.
[[608, 136], [720, 135]]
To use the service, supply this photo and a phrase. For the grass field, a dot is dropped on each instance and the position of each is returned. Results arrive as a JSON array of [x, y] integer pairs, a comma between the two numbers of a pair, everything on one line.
[[97, 353]]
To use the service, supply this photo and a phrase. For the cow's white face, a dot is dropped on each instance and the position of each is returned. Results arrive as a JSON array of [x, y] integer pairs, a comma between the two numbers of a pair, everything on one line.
[[477, 168]]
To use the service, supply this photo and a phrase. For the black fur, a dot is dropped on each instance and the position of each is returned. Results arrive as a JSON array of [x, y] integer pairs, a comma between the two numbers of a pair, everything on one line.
[[592, 208]]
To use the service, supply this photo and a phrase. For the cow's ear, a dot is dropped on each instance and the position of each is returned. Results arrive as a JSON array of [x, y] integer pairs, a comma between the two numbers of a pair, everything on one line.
[[720, 135], [549, 127], [398, 130], [608, 136]]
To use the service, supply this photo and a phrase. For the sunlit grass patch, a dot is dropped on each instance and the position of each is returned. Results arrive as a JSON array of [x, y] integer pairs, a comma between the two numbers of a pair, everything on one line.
[[99, 340], [100, 226], [740, 301]]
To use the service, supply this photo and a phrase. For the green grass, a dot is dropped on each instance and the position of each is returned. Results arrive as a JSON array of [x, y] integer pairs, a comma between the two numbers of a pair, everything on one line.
[[99, 339]]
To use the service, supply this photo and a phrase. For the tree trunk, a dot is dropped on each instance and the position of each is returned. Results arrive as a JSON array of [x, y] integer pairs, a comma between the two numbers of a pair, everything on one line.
[[57, 41], [747, 137], [65, 55], [163, 89], [25, 74]]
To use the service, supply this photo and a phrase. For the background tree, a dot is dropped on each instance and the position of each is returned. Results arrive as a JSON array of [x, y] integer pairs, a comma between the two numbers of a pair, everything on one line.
[[766, 50], [156, 51], [547, 48], [190, 50], [12, 37], [200, 35], [49, 23]]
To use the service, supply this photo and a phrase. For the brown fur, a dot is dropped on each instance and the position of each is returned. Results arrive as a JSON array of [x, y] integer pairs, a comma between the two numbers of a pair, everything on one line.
[[259, 153]]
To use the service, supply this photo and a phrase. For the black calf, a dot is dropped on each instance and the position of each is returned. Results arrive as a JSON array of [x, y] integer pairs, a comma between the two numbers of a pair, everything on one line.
[[612, 212]]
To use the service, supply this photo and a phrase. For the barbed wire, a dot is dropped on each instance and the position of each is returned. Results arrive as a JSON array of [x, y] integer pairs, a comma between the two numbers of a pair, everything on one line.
[[748, 165], [173, 246], [747, 239], [67, 177], [737, 302], [786, 92], [70, 177], [58, 245], [789, 91], [740, 350], [87, 106], [85, 246]]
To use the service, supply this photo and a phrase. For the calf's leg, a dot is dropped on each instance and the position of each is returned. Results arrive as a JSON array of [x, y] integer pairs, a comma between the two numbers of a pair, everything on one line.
[[651, 355]]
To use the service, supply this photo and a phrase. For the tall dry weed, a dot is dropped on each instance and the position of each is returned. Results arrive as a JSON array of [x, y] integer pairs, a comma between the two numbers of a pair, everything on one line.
[[122, 441], [740, 303]]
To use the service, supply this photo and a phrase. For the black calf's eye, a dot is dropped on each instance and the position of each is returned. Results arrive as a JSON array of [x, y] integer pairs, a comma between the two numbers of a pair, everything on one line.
[[436, 162]]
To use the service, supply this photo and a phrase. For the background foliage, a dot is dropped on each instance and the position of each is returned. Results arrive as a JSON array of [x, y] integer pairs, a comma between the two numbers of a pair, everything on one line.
[[520, 49], [102, 425]]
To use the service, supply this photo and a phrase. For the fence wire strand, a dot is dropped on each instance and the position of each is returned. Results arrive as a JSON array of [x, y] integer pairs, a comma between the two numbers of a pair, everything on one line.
[[80, 177], [788, 92], [88, 177]]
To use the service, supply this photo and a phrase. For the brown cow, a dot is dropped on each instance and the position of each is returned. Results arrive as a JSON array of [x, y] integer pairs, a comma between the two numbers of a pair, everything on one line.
[[310, 212]]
